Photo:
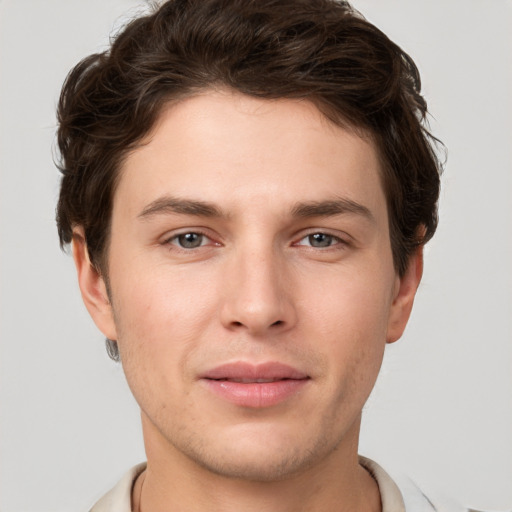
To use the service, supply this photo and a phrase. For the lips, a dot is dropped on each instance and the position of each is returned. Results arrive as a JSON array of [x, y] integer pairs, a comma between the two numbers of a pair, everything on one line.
[[250, 381], [255, 386]]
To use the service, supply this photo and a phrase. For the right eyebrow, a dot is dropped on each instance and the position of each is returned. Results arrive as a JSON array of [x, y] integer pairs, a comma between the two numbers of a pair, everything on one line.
[[170, 205]]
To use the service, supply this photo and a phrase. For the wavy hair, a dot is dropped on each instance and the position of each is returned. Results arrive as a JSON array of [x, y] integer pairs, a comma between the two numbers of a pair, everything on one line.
[[323, 51]]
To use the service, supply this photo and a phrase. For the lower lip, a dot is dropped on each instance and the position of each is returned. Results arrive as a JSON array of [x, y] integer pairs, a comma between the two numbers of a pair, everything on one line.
[[256, 394]]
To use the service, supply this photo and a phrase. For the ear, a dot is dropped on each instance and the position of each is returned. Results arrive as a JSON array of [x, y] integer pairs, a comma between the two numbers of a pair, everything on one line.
[[404, 293], [92, 287]]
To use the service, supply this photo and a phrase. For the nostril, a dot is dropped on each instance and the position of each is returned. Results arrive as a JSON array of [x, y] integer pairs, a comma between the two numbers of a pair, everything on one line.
[[278, 322]]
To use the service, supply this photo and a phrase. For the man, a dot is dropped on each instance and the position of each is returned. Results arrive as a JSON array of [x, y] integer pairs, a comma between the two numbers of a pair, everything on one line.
[[248, 187]]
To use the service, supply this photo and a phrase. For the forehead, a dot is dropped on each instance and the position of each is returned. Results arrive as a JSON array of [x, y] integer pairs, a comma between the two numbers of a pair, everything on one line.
[[229, 148]]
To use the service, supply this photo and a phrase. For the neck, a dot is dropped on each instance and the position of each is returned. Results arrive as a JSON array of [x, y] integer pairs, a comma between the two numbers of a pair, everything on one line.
[[174, 482]]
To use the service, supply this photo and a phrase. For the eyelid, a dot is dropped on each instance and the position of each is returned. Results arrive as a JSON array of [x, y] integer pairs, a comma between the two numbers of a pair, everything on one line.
[[341, 237], [170, 237]]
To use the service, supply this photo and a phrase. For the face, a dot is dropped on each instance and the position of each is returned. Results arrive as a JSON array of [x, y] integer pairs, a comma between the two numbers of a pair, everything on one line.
[[252, 284]]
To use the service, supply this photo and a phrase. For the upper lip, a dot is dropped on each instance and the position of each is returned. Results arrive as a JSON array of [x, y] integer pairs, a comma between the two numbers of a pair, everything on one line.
[[248, 372]]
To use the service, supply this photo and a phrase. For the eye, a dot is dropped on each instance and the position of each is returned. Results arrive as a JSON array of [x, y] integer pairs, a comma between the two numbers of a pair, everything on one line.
[[320, 240], [190, 240]]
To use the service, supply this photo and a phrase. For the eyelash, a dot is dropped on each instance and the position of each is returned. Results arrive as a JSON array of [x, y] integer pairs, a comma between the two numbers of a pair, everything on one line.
[[176, 237], [333, 240], [336, 241]]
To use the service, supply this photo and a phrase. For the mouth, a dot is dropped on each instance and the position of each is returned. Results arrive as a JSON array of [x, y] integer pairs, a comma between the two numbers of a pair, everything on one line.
[[255, 386], [251, 381]]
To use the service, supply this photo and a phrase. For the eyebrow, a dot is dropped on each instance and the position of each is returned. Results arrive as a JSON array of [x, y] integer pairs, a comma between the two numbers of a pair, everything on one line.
[[331, 208], [328, 208], [168, 205]]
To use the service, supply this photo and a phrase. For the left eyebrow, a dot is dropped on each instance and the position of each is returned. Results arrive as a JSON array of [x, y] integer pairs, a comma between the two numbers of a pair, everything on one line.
[[331, 208]]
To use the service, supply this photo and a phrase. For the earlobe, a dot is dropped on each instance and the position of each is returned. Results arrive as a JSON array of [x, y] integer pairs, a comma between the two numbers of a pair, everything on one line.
[[93, 287], [405, 292]]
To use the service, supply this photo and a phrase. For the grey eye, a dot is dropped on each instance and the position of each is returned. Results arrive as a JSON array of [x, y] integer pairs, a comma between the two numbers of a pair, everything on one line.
[[320, 240], [190, 240]]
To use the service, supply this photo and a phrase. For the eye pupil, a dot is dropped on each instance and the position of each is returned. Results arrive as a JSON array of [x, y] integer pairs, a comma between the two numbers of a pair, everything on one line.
[[190, 240], [320, 240]]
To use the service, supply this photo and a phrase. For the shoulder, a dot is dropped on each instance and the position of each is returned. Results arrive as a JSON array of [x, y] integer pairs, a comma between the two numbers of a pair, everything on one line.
[[401, 494], [420, 500], [118, 499]]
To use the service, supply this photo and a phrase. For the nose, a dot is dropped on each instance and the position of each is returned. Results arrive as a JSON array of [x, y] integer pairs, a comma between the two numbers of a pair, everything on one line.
[[258, 295]]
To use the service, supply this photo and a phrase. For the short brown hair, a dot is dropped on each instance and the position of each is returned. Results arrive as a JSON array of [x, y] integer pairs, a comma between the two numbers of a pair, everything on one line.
[[320, 50]]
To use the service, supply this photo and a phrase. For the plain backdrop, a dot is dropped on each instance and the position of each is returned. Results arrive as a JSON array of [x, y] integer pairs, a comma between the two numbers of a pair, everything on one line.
[[442, 408]]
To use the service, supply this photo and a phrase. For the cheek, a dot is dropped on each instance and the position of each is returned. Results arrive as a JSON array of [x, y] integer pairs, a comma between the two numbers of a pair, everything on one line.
[[161, 300], [349, 307], [159, 317], [349, 320]]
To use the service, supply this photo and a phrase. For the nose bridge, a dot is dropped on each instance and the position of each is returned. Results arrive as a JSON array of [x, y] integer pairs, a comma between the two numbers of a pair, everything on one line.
[[257, 299]]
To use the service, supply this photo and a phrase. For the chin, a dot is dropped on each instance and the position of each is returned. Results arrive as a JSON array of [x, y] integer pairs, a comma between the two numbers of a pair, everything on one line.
[[278, 468], [261, 459]]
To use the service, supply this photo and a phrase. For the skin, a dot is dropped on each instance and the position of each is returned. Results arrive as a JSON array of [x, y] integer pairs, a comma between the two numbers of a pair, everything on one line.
[[259, 287]]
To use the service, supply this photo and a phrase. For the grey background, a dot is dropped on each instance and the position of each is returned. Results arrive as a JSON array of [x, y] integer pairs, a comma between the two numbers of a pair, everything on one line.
[[442, 409]]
